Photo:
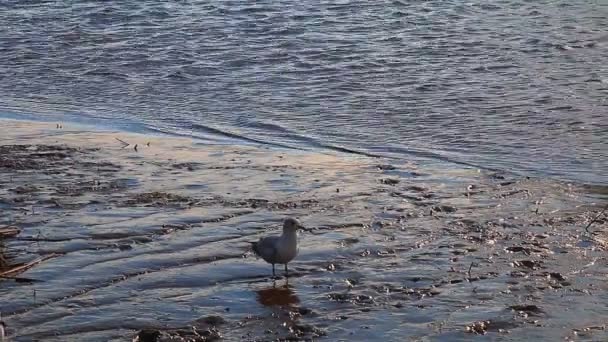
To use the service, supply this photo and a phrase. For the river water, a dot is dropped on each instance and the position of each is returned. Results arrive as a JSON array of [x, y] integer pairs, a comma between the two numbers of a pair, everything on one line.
[[512, 85]]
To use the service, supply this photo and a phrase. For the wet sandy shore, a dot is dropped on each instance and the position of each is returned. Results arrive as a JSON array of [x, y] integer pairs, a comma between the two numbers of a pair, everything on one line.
[[154, 242]]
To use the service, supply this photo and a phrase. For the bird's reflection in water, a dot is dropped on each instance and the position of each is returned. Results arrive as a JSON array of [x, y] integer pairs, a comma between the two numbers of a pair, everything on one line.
[[277, 296]]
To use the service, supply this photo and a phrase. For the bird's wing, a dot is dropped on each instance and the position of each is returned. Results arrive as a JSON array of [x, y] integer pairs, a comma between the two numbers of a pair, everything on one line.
[[266, 247]]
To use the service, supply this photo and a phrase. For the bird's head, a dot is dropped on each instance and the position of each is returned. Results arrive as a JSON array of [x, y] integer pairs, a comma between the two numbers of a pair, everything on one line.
[[292, 225]]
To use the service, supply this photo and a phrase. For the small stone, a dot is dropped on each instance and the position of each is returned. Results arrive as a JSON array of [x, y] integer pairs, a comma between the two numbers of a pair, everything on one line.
[[557, 275], [304, 311], [528, 309], [389, 181], [148, 335], [385, 167]]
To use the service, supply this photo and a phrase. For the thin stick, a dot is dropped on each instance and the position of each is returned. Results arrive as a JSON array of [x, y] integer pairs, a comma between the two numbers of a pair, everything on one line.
[[19, 279], [125, 144], [9, 231], [469, 272], [27, 266], [39, 239], [595, 219]]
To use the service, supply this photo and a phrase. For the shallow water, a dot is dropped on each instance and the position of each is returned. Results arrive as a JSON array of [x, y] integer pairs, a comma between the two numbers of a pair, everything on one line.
[[158, 238], [513, 85]]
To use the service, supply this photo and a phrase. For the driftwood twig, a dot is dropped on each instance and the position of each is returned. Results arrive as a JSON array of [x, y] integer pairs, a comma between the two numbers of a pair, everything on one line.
[[595, 219], [9, 231], [124, 143], [469, 271], [24, 267]]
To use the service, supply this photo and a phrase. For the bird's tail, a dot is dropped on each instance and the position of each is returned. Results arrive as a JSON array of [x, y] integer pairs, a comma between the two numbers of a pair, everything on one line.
[[254, 246]]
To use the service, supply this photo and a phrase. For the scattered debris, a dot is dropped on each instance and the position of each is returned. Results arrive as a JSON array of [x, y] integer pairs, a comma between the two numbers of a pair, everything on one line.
[[302, 330], [444, 209], [515, 249], [158, 198], [483, 327], [389, 181], [191, 334], [187, 166], [385, 167], [595, 219], [351, 298], [528, 309], [557, 276], [531, 264], [480, 328]]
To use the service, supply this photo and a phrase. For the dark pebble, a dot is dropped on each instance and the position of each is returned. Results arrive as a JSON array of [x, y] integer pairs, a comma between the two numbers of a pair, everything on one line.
[[529, 309], [148, 335], [389, 181], [385, 167], [304, 311]]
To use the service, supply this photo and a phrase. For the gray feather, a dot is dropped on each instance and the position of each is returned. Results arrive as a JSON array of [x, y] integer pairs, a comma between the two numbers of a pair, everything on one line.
[[265, 248]]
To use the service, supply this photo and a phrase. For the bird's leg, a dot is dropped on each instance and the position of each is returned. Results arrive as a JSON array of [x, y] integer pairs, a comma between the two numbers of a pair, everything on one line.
[[286, 271], [273, 270]]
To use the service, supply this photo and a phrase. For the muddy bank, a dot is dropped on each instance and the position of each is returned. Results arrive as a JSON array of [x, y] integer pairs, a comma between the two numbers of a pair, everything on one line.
[[116, 241]]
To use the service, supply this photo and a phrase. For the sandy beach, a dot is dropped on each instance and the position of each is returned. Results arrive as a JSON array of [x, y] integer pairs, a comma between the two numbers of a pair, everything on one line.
[[111, 235]]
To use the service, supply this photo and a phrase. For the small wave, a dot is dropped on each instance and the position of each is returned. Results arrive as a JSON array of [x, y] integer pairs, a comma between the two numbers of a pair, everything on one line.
[[221, 133], [104, 72]]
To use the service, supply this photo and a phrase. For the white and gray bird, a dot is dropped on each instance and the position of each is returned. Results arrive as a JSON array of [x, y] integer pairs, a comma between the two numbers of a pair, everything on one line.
[[280, 249], [2, 335]]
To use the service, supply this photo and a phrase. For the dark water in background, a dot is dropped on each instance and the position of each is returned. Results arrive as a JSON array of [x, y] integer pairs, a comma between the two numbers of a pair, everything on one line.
[[515, 85]]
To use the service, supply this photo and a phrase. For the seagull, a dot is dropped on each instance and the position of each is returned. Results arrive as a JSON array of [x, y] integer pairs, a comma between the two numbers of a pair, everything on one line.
[[280, 249], [2, 327]]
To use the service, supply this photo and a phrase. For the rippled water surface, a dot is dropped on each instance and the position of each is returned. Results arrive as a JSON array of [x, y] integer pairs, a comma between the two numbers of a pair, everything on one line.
[[513, 85], [120, 240]]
